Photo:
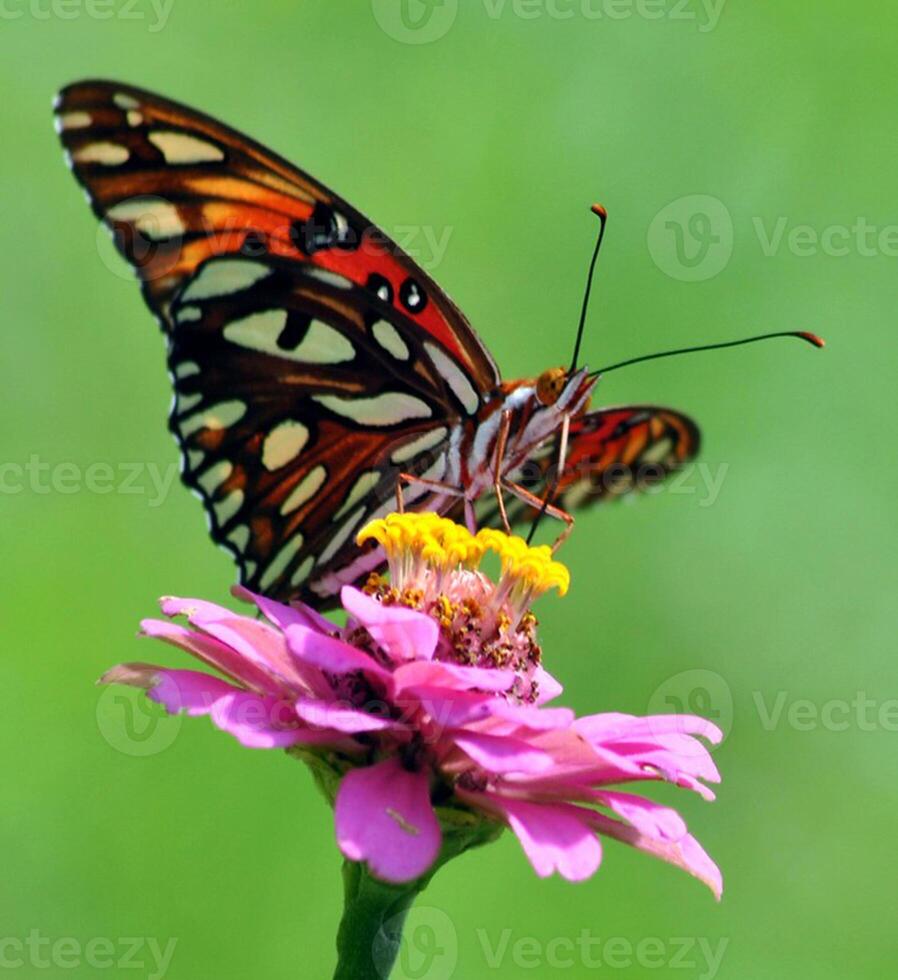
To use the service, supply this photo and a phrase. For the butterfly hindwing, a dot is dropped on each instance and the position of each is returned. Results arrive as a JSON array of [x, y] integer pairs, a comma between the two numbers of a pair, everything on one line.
[[611, 452]]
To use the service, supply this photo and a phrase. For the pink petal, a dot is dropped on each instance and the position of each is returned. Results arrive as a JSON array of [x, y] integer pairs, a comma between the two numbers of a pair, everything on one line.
[[645, 746], [685, 853], [618, 726], [173, 605], [547, 687], [281, 615], [337, 715], [454, 677], [501, 753], [687, 782], [683, 725], [211, 652], [383, 815], [647, 816], [578, 762], [332, 655], [404, 634], [673, 756], [262, 723], [532, 717], [445, 709], [255, 641], [555, 836], [189, 691]]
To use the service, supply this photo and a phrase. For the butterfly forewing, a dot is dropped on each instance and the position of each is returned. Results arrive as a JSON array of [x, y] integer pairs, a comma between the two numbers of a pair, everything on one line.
[[293, 418], [177, 187], [309, 354]]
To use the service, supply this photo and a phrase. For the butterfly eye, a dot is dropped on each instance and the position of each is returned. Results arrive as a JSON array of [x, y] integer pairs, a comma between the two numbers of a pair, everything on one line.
[[550, 385]]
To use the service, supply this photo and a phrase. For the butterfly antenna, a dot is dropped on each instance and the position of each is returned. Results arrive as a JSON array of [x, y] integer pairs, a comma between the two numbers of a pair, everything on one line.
[[602, 214], [810, 338]]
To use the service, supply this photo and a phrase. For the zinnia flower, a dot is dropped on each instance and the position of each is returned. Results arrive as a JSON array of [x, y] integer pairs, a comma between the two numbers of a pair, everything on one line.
[[433, 699]]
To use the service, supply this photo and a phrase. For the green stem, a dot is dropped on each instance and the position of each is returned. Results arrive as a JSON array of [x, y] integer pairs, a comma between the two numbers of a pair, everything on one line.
[[371, 929], [374, 912]]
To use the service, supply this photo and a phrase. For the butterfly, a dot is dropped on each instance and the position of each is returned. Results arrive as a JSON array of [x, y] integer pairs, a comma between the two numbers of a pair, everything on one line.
[[315, 364]]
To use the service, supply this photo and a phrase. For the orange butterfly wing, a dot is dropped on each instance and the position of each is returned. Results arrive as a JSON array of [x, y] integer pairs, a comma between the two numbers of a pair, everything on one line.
[[611, 452], [152, 166], [308, 352]]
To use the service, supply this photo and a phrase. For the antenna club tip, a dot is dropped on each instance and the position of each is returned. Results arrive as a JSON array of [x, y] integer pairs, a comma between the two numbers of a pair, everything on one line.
[[812, 338], [599, 210]]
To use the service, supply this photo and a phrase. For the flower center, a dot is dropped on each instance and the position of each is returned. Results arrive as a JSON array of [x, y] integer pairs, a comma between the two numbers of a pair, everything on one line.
[[434, 567]]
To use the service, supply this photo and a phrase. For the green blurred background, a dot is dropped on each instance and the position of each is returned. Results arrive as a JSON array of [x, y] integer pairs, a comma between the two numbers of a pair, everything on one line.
[[768, 604]]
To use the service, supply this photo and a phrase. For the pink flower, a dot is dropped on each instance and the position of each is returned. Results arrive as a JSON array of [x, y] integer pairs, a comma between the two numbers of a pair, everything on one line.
[[433, 696]]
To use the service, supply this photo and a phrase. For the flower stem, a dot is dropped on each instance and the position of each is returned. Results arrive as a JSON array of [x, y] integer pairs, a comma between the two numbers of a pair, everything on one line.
[[374, 912], [371, 929]]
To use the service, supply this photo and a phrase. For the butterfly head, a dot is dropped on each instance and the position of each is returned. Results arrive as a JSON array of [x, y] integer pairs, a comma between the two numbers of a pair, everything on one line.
[[550, 385], [564, 391]]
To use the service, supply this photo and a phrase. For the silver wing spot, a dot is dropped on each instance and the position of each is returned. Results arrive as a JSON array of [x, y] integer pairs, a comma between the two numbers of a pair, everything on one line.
[[222, 277], [456, 378], [360, 489], [216, 476], [390, 408], [280, 562], [389, 338], [283, 444], [227, 508], [219, 416], [179, 148], [305, 490], [420, 445], [108, 154], [260, 332]]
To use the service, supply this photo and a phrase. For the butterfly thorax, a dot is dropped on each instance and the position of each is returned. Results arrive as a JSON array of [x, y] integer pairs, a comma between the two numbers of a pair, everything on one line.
[[532, 415]]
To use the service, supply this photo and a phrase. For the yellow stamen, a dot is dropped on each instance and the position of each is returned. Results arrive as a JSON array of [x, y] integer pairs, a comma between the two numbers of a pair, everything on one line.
[[533, 567], [445, 545], [437, 540]]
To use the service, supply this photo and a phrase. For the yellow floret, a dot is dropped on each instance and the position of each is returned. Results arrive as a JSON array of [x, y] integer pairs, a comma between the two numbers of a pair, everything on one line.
[[444, 544], [436, 539], [535, 567]]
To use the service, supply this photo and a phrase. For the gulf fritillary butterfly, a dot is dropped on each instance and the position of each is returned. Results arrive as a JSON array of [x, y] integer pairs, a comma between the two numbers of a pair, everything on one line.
[[313, 361]]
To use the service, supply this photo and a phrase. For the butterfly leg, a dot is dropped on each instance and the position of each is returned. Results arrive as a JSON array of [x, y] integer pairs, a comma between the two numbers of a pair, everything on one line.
[[552, 485], [409, 479], [531, 499], [498, 458]]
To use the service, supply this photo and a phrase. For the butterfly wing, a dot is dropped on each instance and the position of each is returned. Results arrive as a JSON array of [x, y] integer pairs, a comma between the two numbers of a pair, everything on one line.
[[611, 452], [176, 188], [312, 359], [293, 419]]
